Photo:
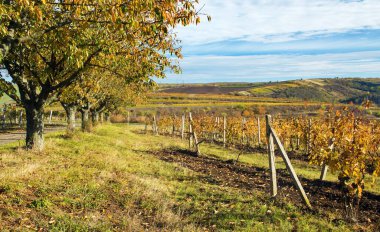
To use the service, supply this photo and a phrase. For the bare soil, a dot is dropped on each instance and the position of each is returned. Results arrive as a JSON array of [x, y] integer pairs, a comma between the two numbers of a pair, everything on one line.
[[325, 197]]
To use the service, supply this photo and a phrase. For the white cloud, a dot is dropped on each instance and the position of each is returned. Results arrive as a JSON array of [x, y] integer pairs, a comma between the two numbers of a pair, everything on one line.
[[277, 67], [280, 20]]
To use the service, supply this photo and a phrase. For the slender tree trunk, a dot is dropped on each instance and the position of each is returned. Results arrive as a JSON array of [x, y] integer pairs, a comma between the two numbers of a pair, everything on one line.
[[107, 117], [70, 116], [93, 117], [85, 120], [34, 126], [96, 117], [101, 117]]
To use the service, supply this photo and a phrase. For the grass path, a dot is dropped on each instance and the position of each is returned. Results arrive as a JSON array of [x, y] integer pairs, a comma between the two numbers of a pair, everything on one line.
[[108, 180]]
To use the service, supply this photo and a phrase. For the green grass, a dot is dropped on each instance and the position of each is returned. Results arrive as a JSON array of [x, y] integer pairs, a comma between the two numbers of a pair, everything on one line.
[[107, 180]]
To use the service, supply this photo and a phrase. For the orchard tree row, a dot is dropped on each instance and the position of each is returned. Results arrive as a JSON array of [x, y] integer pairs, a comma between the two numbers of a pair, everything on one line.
[[90, 55]]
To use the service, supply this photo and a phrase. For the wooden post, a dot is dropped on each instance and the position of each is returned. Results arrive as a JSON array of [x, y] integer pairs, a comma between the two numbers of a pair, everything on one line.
[[194, 134], [173, 126], [271, 156], [190, 132], [325, 167], [258, 132], [50, 117], [290, 168], [224, 130], [214, 132], [243, 130], [183, 127], [297, 142], [155, 125]]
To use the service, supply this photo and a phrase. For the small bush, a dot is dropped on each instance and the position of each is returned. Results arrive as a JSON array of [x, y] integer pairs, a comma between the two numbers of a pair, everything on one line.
[[118, 118]]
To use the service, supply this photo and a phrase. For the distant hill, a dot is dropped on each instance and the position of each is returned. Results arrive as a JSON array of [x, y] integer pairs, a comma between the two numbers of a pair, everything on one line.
[[344, 90], [337, 89]]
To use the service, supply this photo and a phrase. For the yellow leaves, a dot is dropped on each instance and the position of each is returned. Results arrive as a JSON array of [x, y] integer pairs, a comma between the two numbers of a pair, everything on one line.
[[113, 14], [198, 20], [38, 13]]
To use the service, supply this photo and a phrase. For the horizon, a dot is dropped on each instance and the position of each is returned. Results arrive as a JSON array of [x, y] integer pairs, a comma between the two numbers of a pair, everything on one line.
[[251, 41], [260, 81]]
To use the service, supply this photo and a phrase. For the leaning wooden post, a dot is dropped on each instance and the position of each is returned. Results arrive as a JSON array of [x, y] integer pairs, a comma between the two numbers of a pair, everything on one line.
[[183, 127], [290, 168], [271, 156], [224, 130], [258, 132]]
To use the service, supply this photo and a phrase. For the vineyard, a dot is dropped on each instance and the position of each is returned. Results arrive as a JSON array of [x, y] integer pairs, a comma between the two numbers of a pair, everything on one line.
[[342, 140]]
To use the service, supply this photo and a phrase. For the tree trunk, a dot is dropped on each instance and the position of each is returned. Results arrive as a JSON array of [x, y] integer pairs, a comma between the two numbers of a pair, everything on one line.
[[85, 120], [107, 117], [95, 117], [34, 126], [101, 117], [70, 116]]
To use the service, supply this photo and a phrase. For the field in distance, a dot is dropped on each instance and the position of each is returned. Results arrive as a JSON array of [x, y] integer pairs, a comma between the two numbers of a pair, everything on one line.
[[308, 92]]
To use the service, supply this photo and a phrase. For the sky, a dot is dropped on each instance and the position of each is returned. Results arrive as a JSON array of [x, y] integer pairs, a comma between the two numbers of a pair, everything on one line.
[[274, 40]]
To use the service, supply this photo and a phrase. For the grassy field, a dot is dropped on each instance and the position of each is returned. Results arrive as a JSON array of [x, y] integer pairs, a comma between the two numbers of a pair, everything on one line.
[[110, 180]]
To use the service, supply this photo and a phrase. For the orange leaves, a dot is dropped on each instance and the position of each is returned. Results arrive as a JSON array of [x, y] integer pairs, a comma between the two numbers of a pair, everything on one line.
[[38, 13], [347, 143]]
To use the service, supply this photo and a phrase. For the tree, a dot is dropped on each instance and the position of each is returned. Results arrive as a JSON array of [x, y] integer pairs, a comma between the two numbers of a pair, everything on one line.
[[46, 46], [99, 95]]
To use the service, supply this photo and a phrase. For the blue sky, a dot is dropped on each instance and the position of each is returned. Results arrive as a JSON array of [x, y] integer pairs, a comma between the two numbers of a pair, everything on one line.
[[270, 40]]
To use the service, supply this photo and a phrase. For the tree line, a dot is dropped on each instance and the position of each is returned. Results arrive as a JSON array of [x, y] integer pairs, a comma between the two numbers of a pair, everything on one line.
[[90, 56]]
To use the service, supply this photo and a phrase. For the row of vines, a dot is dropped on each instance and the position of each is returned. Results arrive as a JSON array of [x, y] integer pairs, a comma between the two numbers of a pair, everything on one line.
[[344, 140]]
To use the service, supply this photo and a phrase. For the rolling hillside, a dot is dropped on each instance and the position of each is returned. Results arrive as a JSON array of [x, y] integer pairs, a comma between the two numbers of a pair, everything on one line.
[[327, 90]]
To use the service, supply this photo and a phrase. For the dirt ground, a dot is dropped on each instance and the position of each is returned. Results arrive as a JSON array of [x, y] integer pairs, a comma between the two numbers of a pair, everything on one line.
[[325, 197]]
